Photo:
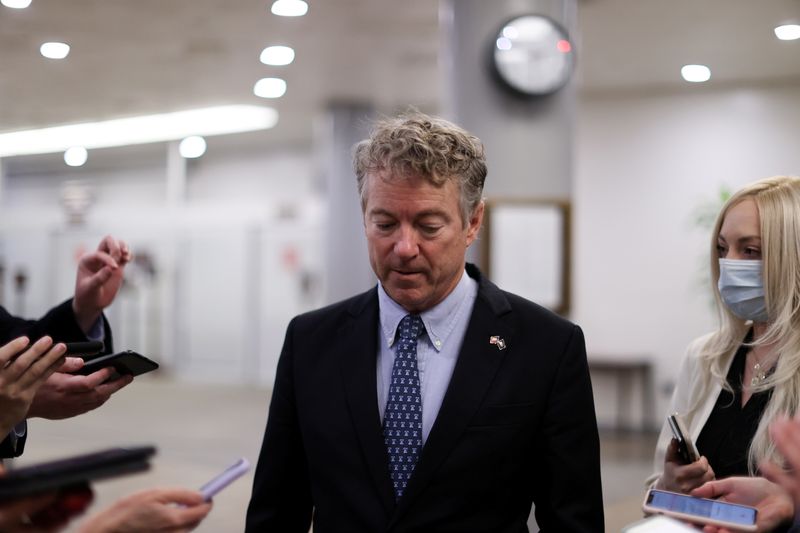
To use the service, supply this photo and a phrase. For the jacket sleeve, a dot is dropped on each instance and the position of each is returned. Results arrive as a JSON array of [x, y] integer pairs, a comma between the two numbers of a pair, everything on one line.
[[281, 497], [570, 497], [59, 322], [683, 395]]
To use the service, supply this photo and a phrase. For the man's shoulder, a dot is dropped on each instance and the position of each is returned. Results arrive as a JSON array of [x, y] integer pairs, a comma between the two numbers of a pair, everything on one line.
[[526, 311]]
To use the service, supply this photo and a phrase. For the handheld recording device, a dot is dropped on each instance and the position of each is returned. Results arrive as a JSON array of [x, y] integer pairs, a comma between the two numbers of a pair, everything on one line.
[[228, 476], [124, 363], [700, 510], [686, 448], [84, 349]]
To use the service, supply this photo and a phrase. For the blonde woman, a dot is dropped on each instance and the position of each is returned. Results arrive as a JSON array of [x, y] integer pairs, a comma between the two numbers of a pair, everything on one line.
[[732, 383]]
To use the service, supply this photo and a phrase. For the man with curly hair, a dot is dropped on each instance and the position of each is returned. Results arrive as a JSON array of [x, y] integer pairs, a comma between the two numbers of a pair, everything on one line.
[[435, 401]]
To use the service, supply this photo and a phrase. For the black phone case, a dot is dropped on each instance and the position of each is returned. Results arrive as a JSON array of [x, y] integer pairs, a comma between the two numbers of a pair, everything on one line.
[[124, 363], [75, 470]]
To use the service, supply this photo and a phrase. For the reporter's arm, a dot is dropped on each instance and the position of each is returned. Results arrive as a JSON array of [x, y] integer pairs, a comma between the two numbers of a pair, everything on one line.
[[167, 509]]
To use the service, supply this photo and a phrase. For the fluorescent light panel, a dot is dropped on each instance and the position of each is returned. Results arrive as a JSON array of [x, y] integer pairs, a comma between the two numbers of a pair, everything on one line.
[[289, 8], [696, 73], [16, 4], [788, 32], [139, 130], [54, 50]]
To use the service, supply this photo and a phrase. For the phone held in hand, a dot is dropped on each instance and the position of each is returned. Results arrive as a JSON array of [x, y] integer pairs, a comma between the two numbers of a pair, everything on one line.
[[686, 448], [228, 476], [700, 510], [124, 363]]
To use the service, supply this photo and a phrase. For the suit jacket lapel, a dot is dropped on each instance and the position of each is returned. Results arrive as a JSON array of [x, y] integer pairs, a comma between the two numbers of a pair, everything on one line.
[[477, 364], [357, 342]]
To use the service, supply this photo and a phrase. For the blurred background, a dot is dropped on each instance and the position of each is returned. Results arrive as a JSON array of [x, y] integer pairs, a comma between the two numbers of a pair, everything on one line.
[[625, 166]]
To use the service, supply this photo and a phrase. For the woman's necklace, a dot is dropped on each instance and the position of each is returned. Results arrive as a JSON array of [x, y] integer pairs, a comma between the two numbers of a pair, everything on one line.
[[760, 371]]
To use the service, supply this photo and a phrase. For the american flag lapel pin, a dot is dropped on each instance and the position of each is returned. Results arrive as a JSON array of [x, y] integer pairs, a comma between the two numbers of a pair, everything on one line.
[[497, 341]]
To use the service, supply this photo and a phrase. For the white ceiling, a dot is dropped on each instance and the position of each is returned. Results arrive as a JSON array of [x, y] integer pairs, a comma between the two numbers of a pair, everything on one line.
[[146, 56]]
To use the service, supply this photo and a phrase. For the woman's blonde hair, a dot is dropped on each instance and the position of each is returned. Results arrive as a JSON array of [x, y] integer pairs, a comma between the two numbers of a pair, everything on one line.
[[778, 203]]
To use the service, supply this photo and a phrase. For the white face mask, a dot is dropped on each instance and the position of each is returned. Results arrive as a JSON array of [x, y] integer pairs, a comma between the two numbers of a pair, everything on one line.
[[742, 289]]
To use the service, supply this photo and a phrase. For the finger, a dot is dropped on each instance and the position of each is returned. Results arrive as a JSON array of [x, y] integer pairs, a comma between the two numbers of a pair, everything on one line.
[[98, 279], [110, 245], [96, 260], [10, 350], [706, 490], [110, 387], [785, 434], [191, 516], [178, 495], [71, 364], [95, 379], [19, 368], [126, 255]]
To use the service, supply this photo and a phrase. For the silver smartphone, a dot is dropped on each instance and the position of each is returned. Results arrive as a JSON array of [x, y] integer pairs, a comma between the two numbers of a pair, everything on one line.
[[686, 448], [700, 510]]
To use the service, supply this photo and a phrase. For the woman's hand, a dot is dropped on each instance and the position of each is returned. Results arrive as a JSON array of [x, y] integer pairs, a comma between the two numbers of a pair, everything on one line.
[[679, 477], [774, 504]]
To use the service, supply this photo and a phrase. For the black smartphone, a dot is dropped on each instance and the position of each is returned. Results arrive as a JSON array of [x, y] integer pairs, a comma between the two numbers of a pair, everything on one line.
[[76, 470], [84, 349], [701, 510], [686, 448], [124, 363]]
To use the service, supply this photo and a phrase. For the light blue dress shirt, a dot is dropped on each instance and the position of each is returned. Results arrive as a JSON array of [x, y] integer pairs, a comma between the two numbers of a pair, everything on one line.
[[437, 348]]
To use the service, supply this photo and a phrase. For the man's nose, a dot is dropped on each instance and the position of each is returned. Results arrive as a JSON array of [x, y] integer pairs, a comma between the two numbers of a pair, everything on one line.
[[406, 246]]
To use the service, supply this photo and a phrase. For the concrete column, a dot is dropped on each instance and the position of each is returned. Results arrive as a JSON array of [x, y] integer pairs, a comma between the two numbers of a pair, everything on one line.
[[528, 140], [346, 260]]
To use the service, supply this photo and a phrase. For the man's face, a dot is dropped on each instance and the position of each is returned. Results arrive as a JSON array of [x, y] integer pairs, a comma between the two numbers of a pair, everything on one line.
[[416, 238]]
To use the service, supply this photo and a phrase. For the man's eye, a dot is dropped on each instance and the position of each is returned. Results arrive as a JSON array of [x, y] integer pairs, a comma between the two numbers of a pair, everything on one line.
[[430, 230], [383, 226]]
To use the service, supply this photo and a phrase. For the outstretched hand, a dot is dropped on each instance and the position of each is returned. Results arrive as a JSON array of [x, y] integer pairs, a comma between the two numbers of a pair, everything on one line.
[[98, 280], [64, 395], [774, 504], [169, 509]]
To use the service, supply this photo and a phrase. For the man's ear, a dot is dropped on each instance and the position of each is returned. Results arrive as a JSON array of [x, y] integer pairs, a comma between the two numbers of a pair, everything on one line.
[[475, 222]]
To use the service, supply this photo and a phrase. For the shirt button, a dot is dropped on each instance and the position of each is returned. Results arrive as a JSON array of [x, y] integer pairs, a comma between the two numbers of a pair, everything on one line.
[[437, 343]]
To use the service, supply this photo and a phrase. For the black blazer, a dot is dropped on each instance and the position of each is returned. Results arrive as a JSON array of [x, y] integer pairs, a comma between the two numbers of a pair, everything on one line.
[[516, 426], [60, 324]]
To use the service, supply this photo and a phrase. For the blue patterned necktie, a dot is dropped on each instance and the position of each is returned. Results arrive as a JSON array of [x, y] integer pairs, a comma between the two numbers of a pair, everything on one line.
[[402, 420]]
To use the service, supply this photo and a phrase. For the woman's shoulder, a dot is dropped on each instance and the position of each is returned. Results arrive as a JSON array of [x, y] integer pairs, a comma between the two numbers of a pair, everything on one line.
[[695, 348]]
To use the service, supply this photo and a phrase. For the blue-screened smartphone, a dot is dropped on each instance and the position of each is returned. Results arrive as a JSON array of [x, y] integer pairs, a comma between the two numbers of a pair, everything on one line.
[[700, 510]]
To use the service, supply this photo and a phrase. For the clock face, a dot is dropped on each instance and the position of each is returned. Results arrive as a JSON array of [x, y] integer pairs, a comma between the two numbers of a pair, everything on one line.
[[533, 55]]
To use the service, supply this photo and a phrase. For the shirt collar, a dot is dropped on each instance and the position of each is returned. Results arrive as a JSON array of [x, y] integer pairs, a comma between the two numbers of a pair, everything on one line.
[[439, 321]]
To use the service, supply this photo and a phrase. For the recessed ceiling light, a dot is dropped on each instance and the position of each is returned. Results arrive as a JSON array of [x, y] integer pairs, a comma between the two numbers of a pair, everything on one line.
[[54, 50], [696, 73], [277, 55], [289, 8], [192, 147], [269, 88], [16, 4], [788, 32], [140, 130], [76, 156]]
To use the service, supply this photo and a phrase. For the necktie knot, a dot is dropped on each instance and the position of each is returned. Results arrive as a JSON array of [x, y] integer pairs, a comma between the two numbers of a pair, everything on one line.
[[411, 327]]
